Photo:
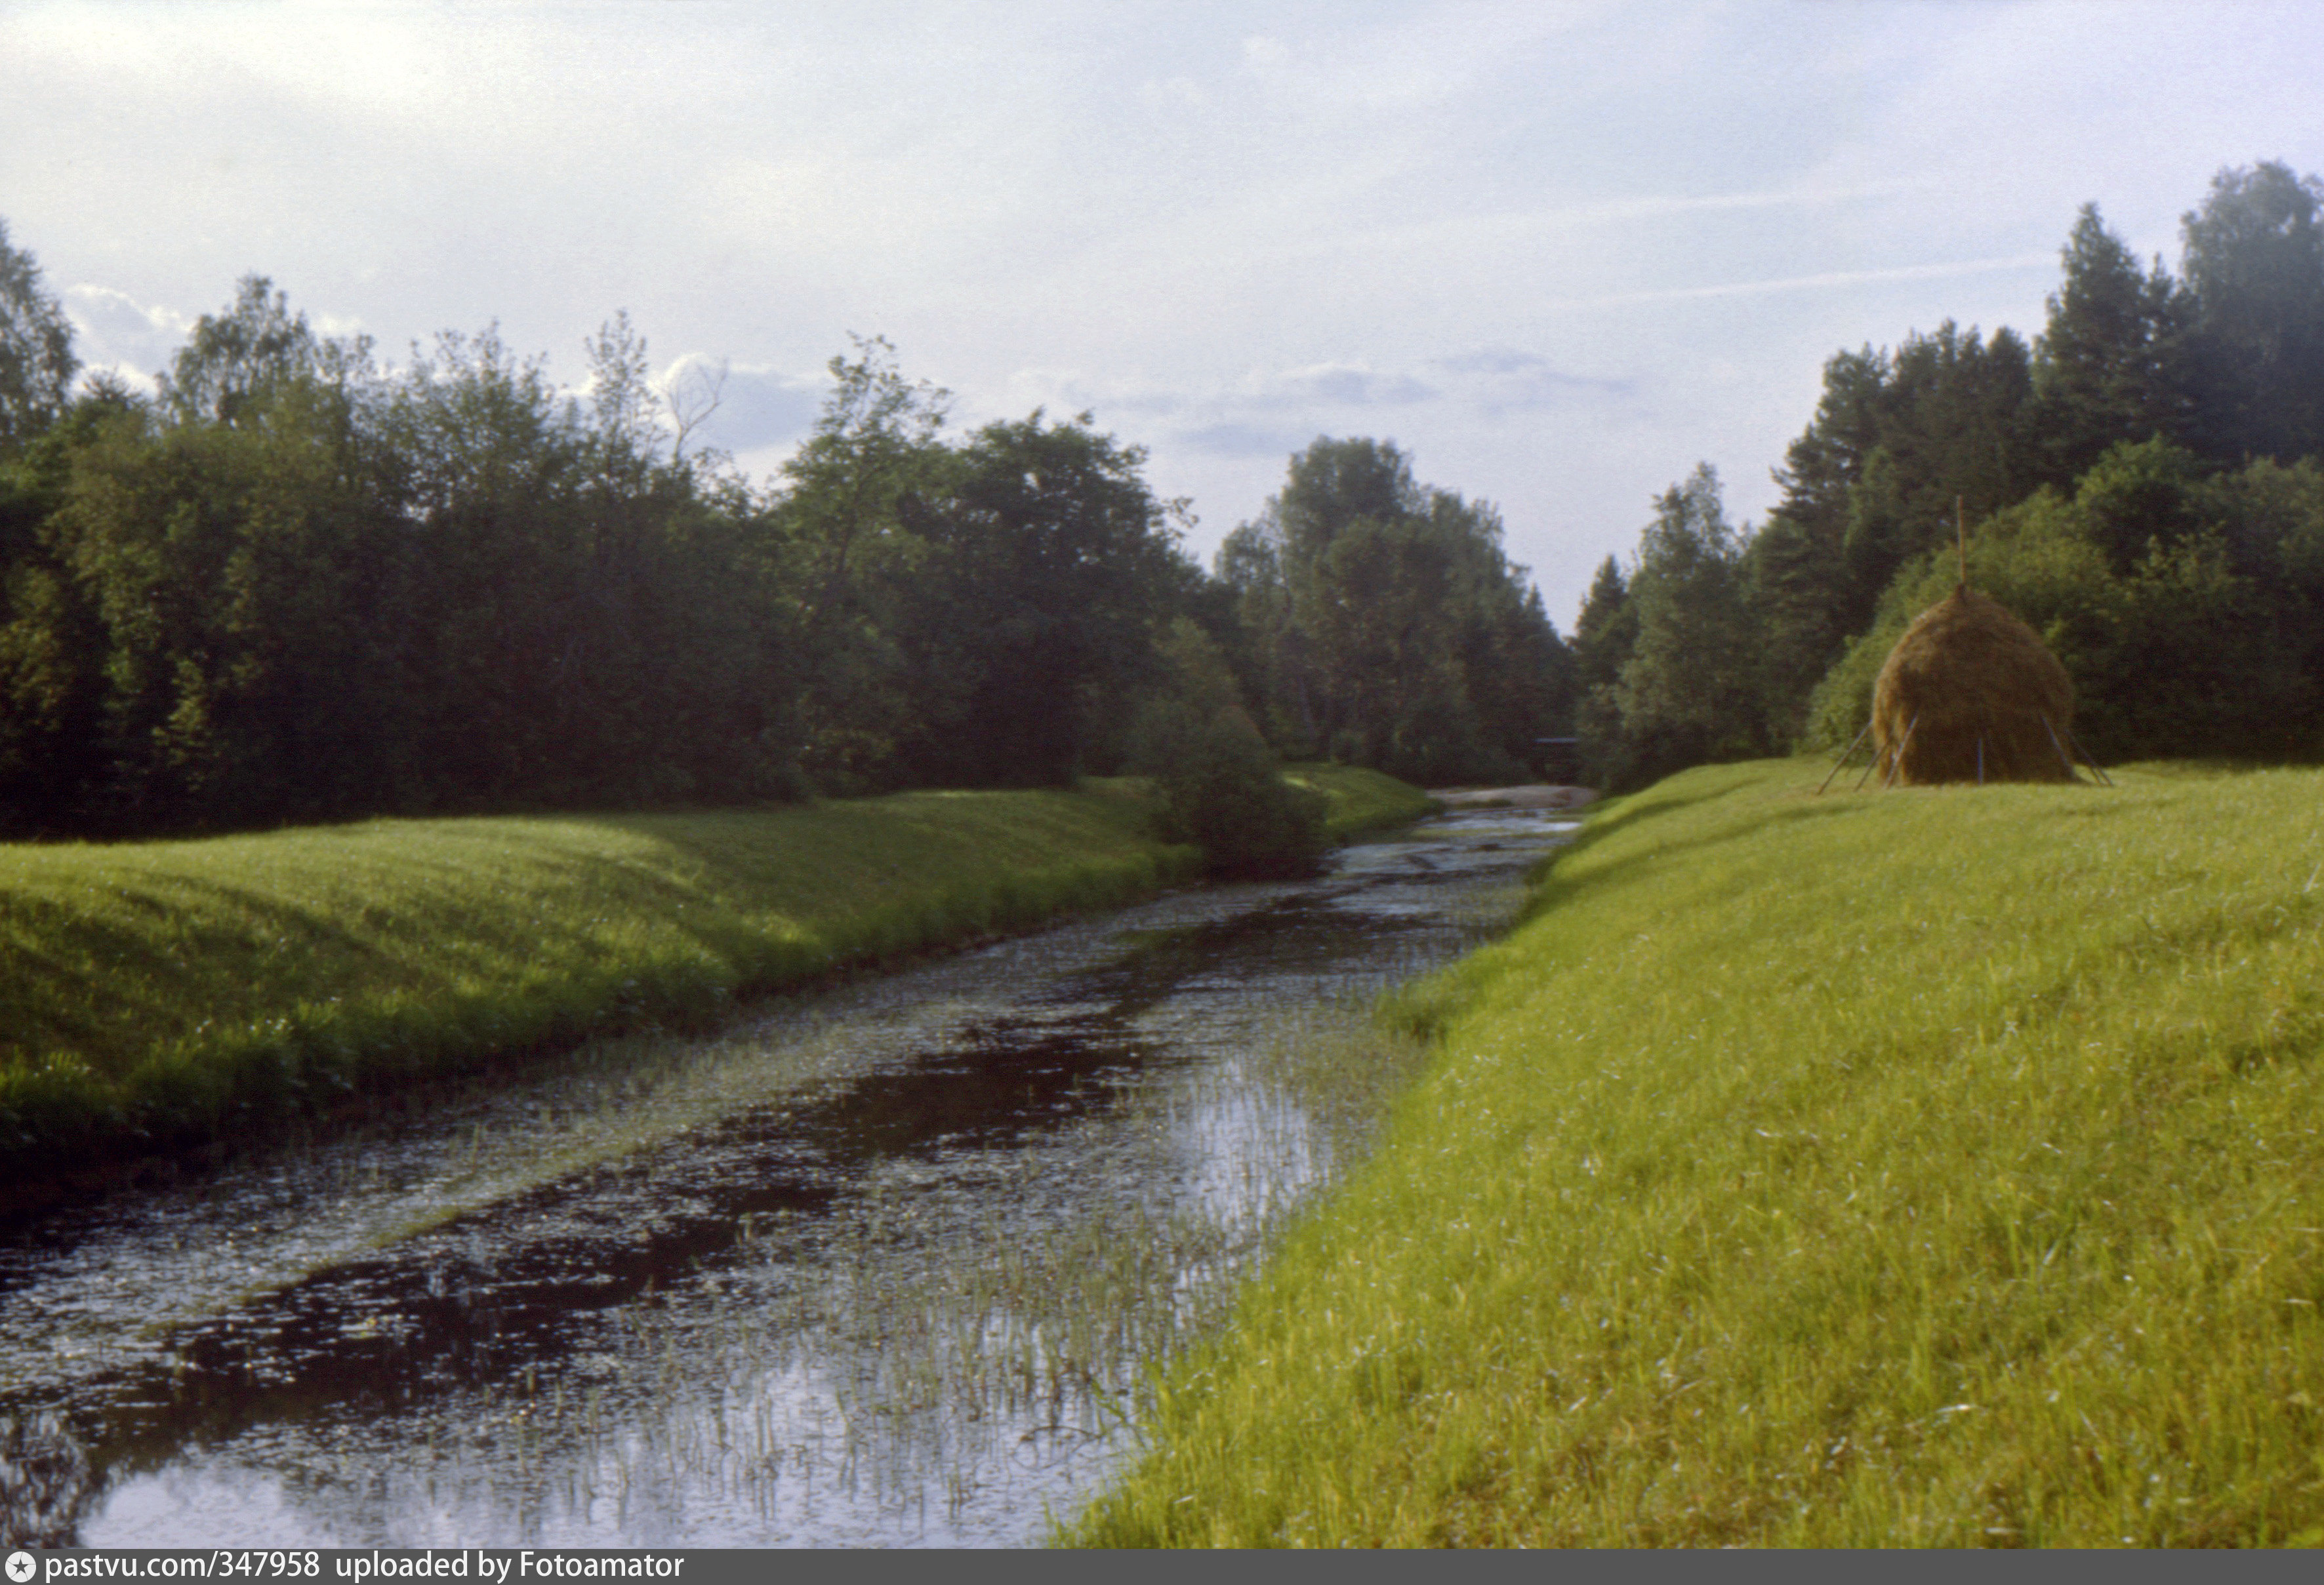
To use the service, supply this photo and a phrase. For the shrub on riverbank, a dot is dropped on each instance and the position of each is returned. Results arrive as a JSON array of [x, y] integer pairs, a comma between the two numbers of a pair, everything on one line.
[[1930, 1168], [1222, 790]]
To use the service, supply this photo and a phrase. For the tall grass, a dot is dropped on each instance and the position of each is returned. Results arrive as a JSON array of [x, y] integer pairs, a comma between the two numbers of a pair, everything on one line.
[[1930, 1168]]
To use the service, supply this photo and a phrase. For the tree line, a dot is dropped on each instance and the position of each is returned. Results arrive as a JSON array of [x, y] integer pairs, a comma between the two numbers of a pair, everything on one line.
[[2141, 483], [295, 584]]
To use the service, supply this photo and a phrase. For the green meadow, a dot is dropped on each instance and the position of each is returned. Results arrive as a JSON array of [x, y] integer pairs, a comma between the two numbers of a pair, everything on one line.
[[161, 994], [1931, 1168], [1357, 800]]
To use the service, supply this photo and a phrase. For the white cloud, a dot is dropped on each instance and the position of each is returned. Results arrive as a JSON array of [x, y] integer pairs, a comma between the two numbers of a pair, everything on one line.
[[1827, 279], [1333, 385], [1259, 51], [1499, 381], [115, 333], [756, 407], [1562, 252]]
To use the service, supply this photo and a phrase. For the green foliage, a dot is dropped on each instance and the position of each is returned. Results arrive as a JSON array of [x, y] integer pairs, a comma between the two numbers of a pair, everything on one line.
[[2168, 417], [1899, 444], [36, 356], [304, 590], [2136, 498], [2036, 560], [1049, 566], [1222, 787], [2181, 607], [1687, 689], [2254, 261], [1225, 792], [843, 552], [1929, 1168], [1382, 622], [2115, 360], [235, 365], [300, 587]]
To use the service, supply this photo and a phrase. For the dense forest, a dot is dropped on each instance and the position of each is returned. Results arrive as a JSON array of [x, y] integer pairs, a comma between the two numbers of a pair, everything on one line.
[[298, 584], [295, 584], [2142, 483]]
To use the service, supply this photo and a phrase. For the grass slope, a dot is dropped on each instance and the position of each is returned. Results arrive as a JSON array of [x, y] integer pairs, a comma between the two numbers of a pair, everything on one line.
[[1927, 1167], [157, 993], [1358, 801], [154, 995]]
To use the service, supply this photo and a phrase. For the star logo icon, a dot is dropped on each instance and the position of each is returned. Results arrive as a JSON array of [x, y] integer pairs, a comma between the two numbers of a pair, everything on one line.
[[20, 1566]]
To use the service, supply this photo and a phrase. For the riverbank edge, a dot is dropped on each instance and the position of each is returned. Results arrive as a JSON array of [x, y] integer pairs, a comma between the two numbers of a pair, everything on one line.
[[1815, 1171], [1359, 802], [353, 965]]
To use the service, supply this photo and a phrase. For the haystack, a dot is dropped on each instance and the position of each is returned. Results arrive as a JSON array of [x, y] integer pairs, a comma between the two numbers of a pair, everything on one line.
[[1972, 694]]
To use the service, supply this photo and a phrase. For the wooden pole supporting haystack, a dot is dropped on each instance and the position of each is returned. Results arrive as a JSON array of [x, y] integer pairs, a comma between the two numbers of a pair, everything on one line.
[[1870, 766], [2064, 757], [1897, 763], [2096, 769], [1845, 755]]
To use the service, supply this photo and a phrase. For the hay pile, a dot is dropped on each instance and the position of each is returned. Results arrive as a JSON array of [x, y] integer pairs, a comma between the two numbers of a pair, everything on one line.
[[1970, 679]]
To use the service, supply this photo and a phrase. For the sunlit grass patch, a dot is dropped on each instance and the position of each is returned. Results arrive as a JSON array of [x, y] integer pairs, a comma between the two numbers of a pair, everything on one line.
[[159, 994], [1929, 1167], [1359, 800], [154, 994]]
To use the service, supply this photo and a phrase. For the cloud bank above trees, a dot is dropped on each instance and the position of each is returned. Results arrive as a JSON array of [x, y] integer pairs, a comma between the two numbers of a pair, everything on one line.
[[1560, 252]]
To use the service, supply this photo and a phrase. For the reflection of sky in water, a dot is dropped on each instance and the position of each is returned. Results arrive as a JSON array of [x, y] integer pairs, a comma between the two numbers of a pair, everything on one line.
[[1255, 1151], [817, 1281]]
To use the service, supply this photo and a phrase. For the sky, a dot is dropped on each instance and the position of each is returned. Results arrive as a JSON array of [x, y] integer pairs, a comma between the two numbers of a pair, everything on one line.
[[1560, 253]]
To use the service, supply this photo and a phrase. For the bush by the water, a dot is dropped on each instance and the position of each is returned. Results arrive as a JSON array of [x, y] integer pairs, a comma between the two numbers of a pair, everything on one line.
[[1224, 790], [1222, 787]]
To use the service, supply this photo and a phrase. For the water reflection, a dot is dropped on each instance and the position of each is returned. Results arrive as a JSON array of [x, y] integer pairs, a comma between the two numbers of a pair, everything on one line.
[[886, 1266]]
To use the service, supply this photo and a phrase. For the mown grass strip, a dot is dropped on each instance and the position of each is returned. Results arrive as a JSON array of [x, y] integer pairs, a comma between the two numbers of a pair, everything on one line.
[[1360, 801], [1936, 1167], [157, 995]]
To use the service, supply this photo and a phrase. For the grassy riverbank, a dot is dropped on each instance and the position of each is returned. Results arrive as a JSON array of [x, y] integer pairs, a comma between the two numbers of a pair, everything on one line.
[[154, 995], [1357, 800], [1942, 1166]]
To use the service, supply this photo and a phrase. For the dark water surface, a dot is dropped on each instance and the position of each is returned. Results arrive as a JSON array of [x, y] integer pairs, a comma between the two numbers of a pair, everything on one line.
[[888, 1265]]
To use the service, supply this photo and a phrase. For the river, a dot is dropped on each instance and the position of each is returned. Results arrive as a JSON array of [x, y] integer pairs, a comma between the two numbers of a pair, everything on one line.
[[889, 1264]]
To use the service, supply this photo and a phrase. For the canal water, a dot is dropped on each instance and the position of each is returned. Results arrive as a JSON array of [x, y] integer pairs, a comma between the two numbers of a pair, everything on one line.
[[888, 1265]]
